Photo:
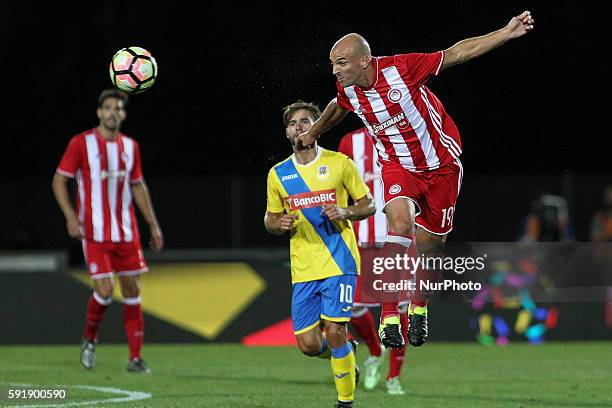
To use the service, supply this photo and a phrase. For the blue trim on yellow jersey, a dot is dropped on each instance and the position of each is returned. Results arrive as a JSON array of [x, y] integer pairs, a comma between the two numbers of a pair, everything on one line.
[[326, 229]]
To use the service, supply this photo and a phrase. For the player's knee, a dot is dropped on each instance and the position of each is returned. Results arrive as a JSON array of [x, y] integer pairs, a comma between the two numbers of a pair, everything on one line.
[[401, 224], [105, 292], [130, 286], [336, 335], [104, 287], [130, 292], [309, 347], [400, 217]]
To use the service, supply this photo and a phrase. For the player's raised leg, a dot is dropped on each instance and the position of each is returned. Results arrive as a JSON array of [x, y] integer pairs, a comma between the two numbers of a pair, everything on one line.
[[434, 223], [306, 317], [313, 343], [133, 322], [429, 245], [400, 239]]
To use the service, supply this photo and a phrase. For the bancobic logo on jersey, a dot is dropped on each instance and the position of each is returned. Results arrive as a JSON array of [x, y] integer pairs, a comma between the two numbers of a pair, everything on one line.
[[311, 199]]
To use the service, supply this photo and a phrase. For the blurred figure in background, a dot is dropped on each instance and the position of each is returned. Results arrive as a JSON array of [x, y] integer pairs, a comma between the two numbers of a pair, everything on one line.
[[601, 223], [106, 165], [601, 233], [548, 220]]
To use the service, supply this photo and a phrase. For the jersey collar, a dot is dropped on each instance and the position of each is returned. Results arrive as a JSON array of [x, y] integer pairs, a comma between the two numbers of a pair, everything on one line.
[[319, 151]]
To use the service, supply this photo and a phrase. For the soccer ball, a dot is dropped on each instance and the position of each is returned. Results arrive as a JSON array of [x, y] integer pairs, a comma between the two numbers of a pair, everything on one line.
[[133, 70]]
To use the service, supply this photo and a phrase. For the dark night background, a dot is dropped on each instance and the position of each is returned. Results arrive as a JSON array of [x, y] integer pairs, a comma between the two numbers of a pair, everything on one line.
[[532, 114]]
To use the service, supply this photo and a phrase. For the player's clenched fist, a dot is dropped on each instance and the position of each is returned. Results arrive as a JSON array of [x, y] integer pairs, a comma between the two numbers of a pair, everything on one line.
[[333, 212], [520, 25], [286, 222]]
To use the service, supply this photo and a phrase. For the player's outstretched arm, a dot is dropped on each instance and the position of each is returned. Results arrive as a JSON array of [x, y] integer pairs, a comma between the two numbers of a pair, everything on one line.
[[474, 47], [279, 223], [362, 209], [142, 198], [331, 116], [60, 191]]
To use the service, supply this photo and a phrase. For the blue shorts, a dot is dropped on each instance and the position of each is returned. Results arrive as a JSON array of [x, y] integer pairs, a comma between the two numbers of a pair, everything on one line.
[[329, 299]]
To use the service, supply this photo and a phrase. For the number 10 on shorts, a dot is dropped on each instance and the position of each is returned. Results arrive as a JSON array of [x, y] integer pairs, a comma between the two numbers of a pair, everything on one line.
[[346, 293], [447, 217]]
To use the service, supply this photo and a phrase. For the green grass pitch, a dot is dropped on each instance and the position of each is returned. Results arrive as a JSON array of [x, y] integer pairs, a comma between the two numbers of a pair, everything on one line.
[[435, 375]]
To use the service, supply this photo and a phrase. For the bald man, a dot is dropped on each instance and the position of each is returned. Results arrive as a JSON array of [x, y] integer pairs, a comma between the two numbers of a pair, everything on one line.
[[418, 146]]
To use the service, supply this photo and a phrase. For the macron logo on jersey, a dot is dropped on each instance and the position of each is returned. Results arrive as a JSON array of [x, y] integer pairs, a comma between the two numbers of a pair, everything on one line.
[[311, 199], [289, 177], [399, 120]]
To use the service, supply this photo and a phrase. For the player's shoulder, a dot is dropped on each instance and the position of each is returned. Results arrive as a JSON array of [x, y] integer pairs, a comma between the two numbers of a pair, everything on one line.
[[278, 165], [130, 139], [333, 156], [81, 136], [80, 139]]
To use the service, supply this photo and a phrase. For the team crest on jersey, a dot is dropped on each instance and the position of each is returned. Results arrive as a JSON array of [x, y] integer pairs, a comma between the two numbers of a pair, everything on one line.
[[394, 95], [359, 109], [322, 172], [124, 157], [394, 189]]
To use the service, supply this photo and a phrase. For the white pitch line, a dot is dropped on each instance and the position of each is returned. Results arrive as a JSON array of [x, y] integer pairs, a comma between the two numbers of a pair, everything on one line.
[[130, 396]]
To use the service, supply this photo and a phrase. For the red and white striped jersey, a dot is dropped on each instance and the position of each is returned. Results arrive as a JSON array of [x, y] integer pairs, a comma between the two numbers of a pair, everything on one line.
[[407, 121], [358, 146], [104, 170]]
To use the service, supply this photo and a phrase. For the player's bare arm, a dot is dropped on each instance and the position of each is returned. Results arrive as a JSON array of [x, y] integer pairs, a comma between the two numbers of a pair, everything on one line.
[[331, 116], [279, 223], [142, 198], [60, 191], [362, 209], [474, 47]]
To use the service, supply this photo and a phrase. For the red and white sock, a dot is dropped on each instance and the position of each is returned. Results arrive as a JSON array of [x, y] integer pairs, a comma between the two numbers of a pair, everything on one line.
[[396, 244], [95, 312], [134, 325], [363, 323], [396, 356]]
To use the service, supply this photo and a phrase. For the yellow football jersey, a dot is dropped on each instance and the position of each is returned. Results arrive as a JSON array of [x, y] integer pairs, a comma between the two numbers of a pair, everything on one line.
[[319, 248]]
